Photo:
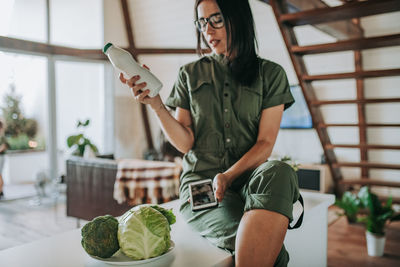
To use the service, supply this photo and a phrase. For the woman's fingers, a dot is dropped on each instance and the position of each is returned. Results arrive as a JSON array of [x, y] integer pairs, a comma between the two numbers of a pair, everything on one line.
[[131, 82], [137, 89], [219, 192], [122, 78], [143, 95]]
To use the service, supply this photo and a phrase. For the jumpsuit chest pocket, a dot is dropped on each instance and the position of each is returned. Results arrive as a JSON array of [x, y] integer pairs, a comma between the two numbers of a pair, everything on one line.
[[250, 104], [201, 94]]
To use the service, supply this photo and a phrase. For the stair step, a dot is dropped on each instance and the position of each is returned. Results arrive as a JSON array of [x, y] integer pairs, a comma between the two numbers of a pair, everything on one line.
[[370, 165], [352, 75], [347, 11], [369, 181], [367, 146], [353, 44], [384, 199], [354, 101], [324, 125]]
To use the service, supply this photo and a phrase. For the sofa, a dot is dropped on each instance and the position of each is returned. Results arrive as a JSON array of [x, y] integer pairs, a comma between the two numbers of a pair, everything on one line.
[[90, 186]]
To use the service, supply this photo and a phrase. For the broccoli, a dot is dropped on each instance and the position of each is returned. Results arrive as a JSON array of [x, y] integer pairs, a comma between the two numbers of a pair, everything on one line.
[[100, 236]]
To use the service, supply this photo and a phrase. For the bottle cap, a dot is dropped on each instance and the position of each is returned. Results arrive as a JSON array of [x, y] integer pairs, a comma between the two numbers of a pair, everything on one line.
[[106, 47]]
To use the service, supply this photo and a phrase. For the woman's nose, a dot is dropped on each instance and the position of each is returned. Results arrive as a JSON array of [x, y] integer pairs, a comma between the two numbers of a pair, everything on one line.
[[209, 28]]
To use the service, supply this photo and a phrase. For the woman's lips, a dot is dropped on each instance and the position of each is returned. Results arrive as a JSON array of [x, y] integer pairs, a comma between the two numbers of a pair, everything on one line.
[[214, 43]]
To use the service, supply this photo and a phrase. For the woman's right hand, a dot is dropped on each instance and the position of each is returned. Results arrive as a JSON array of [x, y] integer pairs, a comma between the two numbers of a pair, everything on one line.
[[139, 94]]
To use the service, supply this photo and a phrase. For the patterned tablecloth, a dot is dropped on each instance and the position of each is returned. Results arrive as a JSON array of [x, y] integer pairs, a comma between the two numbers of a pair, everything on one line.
[[143, 181]]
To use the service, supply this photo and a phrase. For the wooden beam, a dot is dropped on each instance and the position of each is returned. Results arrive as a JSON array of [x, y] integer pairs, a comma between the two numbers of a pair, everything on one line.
[[325, 125], [132, 49], [365, 146], [18, 46], [354, 44], [347, 11], [340, 30], [128, 25], [353, 75], [362, 130], [369, 182], [168, 51], [354, 101], [370, 165]]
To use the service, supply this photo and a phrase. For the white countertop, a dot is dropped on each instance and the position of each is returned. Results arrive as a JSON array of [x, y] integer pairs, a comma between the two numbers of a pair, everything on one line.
[[190, 248], [66, 250]]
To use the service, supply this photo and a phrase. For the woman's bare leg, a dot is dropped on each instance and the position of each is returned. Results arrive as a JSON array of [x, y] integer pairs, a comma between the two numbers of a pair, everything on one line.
[[259, 238], [1, 183]]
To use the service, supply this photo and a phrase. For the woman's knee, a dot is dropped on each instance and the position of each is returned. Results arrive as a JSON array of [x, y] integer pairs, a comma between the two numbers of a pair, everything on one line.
[[271, 175]]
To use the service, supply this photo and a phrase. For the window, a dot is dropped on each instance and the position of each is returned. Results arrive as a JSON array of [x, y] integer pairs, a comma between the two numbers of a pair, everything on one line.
[[80, 96], [77, 23], [23, 19], [28, 76]]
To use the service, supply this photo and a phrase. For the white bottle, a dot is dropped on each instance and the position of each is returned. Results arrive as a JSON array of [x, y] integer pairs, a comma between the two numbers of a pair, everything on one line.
[[124, 62]]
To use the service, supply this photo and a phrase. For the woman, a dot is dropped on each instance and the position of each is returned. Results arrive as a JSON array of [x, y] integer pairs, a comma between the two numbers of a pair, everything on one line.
[[228, 111], [3, 148]]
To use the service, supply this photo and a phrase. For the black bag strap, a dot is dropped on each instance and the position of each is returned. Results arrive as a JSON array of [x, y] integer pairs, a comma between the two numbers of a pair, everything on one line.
[[300, 220]]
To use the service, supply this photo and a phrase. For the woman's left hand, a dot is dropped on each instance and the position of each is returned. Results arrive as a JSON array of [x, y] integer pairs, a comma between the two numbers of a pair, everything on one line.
[[221, 183]]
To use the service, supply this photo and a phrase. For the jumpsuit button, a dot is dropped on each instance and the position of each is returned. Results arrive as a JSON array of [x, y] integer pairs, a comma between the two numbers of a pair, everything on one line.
[[228, 140], [226, 110]]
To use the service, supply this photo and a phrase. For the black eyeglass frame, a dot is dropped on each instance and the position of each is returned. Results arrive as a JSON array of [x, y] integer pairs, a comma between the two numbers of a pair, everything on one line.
[[202, 27]]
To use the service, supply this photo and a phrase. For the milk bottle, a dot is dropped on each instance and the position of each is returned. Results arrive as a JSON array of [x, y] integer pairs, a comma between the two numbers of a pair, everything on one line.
[[123, 61]]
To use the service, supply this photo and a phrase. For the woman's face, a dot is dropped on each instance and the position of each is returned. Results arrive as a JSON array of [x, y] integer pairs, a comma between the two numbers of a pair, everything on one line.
[[216, 38]]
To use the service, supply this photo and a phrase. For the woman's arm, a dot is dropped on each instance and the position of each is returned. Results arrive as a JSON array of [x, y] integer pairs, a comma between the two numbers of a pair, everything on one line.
[[3, 147], [267, 132], [178, 130]]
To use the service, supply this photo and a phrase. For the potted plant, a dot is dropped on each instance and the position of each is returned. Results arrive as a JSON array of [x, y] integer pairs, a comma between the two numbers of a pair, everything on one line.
[[375, 220], [81, 143], [350, 204]]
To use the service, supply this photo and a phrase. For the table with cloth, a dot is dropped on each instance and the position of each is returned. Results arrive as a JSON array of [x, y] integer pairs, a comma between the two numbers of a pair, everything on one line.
[[143, 181]]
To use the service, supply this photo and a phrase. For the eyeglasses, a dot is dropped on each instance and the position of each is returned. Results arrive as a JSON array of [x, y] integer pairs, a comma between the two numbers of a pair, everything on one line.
[[215, 20]]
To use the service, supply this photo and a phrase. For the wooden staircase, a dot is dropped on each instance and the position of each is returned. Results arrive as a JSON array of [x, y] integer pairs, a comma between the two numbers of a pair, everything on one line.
[[349, 11]]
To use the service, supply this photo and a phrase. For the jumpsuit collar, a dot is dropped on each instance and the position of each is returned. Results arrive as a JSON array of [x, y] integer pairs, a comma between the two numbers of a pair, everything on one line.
[[220, 58]]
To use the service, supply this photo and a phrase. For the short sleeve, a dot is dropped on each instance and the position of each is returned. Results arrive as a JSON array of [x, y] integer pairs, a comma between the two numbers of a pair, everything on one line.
[[179, 96], [276, 89]]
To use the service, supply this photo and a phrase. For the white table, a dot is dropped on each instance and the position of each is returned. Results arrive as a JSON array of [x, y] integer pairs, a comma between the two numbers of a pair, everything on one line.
[[307, 245], [65, 250]]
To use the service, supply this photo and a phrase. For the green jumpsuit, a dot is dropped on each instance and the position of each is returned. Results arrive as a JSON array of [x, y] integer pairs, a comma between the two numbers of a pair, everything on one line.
[[225, 119]]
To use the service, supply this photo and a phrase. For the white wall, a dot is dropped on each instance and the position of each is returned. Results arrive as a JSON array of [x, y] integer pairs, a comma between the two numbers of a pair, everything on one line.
[[158, 24]]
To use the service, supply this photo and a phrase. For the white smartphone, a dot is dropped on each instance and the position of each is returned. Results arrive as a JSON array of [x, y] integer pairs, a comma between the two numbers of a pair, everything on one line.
[[202, 195]]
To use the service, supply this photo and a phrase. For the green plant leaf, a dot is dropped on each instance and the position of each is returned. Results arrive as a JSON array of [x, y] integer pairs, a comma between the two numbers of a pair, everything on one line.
[[80, 140], [389, 202], [74, 140], [363, 196], [374, 204], [94, 148], [385, 216]]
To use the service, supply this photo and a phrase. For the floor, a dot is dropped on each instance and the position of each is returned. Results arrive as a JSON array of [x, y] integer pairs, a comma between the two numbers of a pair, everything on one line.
[[28, 219], [347, 246]]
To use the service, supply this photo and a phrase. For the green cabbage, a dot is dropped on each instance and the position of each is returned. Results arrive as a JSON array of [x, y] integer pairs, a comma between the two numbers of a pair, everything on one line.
[[144, 231]]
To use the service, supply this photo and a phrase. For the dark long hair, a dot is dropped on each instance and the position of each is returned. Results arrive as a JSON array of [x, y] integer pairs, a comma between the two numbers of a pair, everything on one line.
[[241, 39]]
